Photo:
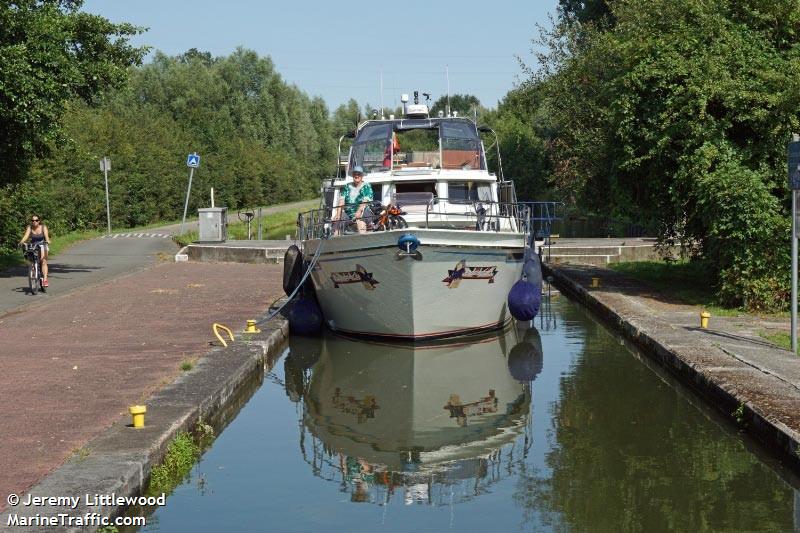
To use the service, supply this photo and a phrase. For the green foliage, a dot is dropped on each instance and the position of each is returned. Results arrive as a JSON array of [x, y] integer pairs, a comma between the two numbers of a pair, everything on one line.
[[690, 282], [466, 105], [521, 130], [738, 414], [779, 338], [585, 11], [262, 142], [181, 455], [50, 53], [677, 116]]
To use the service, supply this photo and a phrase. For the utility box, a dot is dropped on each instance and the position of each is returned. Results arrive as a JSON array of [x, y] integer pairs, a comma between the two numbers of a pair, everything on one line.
[[213, 224]]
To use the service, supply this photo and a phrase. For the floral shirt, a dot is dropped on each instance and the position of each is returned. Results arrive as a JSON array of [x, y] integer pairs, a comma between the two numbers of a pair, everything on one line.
[[354, 197]]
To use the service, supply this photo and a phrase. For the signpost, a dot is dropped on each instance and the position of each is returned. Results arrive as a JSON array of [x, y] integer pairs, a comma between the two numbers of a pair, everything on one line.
[[793, 158], [105, 167], [192, 161]]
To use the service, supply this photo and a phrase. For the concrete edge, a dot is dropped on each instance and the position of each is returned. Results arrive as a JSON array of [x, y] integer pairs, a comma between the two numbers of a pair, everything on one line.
[[182, 256], [118, 462], [773, 434]]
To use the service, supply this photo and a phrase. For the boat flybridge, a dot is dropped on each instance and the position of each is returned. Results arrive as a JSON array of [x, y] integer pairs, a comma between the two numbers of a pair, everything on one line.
[[438, 247]]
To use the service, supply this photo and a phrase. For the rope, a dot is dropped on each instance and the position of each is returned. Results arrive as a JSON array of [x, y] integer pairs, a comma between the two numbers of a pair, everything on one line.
[[311, 266]]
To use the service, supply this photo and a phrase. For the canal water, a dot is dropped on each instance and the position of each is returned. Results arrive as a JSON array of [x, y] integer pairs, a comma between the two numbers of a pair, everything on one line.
[[557, 427]]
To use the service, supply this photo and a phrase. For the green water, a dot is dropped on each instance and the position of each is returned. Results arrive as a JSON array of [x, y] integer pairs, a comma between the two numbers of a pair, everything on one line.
[[556, 428]]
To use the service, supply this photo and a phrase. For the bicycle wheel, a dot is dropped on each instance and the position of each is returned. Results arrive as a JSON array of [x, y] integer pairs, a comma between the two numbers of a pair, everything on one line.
[[33, 279], [398, 222]]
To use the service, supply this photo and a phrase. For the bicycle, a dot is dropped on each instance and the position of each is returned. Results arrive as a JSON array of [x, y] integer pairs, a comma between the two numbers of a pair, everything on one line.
[[388, 217], [32, 254]]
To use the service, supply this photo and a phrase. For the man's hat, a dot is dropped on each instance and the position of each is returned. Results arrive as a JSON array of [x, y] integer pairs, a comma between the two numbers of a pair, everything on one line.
[[358, 170]]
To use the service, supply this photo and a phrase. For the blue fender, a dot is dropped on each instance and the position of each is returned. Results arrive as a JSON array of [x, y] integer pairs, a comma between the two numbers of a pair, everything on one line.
[[305, 316]]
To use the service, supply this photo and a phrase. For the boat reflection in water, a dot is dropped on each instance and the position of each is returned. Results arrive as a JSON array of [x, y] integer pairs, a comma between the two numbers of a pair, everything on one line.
[[432, 423]]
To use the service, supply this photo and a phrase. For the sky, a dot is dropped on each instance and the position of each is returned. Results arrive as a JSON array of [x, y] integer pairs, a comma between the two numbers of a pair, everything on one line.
[[338, 50]]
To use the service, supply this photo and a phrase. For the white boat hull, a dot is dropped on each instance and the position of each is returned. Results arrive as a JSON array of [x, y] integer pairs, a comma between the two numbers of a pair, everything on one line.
[[443, 402], [459, 284]]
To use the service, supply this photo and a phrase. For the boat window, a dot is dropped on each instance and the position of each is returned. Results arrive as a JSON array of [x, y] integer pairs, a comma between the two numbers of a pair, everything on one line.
[[464, 192], [413, 203], [460, 146], [416, 186], [370, 148]]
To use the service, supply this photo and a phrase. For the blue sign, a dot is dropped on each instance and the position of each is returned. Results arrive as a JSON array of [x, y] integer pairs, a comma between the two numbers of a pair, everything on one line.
[[193, 161], [793, 157]]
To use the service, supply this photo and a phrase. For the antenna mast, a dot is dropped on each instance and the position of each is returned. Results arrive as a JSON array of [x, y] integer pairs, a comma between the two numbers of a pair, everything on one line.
[[382, 94], [447, 76]]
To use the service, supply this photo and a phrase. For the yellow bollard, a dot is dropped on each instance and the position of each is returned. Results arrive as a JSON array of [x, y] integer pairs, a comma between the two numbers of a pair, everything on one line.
[[251, 327], [595, 282], [137, 415], [704, 316], [216, 327]]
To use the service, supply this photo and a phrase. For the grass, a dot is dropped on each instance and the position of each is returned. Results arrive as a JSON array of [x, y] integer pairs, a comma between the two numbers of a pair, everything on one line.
[[181, 455], [778, 338], [689, 282], [276, 226], [187, 365]]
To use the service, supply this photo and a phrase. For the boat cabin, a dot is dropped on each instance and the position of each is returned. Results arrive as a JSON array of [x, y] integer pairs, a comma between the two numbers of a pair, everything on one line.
[[434, 169]]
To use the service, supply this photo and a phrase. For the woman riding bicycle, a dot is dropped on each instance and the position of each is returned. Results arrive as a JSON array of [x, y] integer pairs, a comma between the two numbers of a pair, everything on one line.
[[39, 236]]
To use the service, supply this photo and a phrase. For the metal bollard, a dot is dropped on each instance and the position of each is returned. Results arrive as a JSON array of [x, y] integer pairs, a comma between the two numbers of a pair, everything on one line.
[[704, 316], [137, 415], [251, 327]]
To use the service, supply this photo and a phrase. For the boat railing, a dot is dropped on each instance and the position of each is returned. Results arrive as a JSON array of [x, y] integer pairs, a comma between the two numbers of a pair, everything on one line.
[[438, 213], [543, 215]]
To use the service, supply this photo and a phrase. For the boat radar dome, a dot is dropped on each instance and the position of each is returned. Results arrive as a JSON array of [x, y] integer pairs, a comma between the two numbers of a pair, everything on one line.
[[415, 110]]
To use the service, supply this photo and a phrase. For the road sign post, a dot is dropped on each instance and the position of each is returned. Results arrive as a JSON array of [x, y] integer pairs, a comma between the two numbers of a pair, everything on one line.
[[105, 167], [192, 161], [793, 158]]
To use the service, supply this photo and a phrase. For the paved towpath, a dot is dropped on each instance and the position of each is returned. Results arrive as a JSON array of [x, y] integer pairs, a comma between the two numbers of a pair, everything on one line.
[[101, 259], [87, 263], [72, 365]]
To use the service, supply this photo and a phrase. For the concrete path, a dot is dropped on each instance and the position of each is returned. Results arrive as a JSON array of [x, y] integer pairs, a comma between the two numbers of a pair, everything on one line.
[[72, 365], [98, 260], [729, 362], [87, 263]]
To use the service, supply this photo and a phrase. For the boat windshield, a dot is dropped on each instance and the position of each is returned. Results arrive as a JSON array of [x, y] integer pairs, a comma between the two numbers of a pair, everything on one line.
[[372, 148], [461, 146], [443, 143]]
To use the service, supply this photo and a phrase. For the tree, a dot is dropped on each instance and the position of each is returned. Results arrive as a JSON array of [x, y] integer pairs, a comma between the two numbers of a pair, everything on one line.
[[679, 115], [50, 52], [466, 105], [346, 117], [583, 11]]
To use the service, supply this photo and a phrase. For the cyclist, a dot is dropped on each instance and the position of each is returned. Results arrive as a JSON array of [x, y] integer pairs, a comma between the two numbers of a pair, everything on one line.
[[39, 236]]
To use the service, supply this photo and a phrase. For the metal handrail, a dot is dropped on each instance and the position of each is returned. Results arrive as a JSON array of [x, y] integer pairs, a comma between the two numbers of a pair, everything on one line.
[[475, 215]]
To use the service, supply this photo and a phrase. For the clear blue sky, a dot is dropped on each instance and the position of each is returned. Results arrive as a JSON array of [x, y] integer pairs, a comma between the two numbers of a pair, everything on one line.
[[337, 49]]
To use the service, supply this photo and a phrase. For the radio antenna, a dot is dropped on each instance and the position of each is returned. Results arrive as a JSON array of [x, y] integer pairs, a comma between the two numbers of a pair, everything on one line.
[[382, 94], [447, 76]]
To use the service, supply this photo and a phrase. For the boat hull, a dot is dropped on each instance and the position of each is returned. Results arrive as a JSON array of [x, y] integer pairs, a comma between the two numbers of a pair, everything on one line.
[[458, 282]]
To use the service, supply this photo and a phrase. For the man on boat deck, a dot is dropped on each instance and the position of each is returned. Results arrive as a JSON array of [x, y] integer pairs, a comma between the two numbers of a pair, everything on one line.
[[355, 198]]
